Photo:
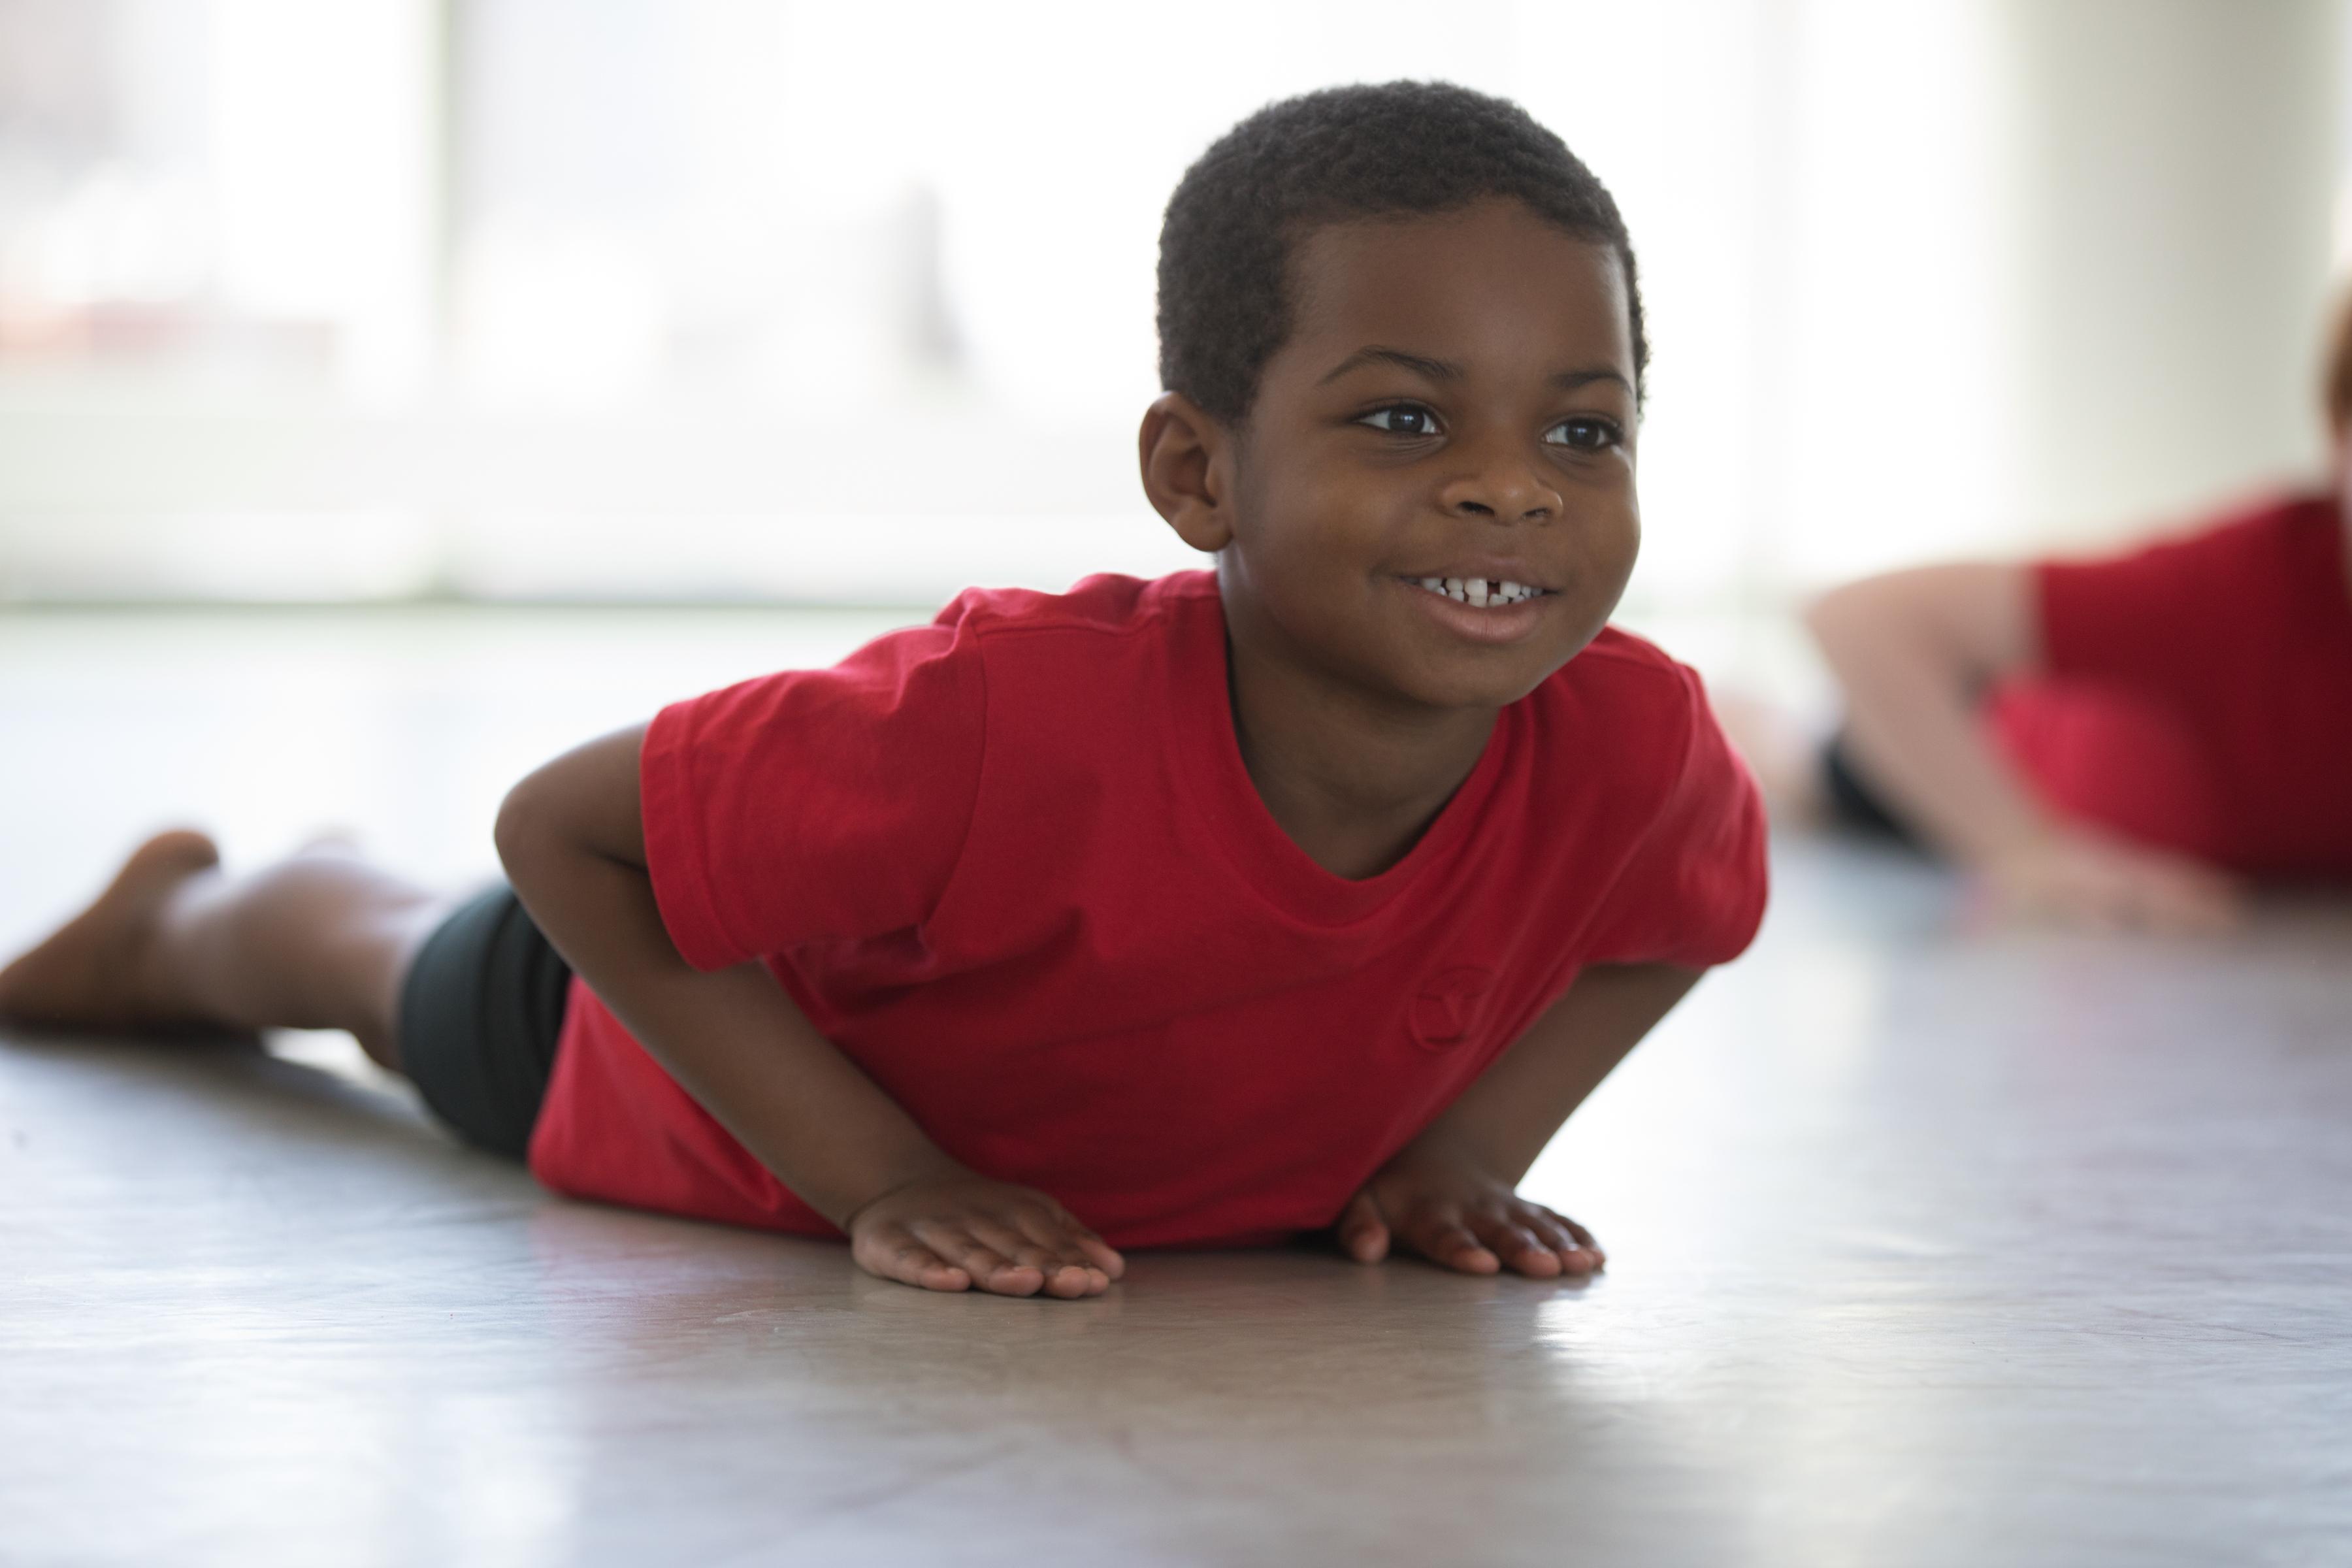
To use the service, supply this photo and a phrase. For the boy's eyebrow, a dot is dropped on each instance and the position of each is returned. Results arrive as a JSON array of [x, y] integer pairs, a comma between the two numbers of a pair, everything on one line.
[[1569, 379], [1447, 370], [1373, 353]]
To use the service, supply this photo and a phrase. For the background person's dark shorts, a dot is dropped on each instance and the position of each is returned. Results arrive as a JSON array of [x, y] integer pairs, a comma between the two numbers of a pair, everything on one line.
[[1855, 804], [480, 1012]]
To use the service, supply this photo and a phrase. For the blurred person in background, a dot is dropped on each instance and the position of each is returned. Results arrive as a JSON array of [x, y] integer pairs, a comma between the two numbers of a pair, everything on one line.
[[2129, 740]]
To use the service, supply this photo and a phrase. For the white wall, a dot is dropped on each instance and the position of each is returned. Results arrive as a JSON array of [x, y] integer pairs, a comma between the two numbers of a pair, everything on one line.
[[2173, 176], [1935, 277]]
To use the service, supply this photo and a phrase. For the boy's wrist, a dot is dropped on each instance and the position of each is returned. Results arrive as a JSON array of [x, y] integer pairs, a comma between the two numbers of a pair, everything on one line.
[[921, 1162], [1439, 1143]]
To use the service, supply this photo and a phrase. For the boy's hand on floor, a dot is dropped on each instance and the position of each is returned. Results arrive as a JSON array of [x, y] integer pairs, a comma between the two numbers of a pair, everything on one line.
[[959, 1231], [1442, 1206]]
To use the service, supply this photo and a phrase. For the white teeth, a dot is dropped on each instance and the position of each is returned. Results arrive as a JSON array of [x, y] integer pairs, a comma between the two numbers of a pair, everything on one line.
[[1479, 592]]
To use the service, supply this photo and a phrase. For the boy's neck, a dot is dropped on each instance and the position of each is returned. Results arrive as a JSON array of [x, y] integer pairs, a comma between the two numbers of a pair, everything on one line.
[[1353, 782]]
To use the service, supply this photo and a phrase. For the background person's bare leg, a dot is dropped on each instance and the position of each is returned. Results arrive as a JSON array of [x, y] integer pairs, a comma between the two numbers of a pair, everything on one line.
[[319, 941]]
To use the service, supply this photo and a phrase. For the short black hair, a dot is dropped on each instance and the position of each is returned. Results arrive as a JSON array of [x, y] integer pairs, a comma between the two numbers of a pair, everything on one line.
[[1397, 148]]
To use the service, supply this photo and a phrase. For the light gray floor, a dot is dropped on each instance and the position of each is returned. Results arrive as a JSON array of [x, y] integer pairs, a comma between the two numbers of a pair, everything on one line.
[[1930, 1243]]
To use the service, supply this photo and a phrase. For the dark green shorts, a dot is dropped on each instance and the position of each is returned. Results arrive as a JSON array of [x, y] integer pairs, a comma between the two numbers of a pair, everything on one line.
[[480, 1012]]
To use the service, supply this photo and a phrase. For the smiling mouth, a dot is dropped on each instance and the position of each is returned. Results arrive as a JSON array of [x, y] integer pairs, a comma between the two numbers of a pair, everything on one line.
[[1480, 592]]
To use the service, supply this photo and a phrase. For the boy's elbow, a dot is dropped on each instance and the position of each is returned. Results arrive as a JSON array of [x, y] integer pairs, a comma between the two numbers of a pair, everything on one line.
[[520, 832], [581, 804]]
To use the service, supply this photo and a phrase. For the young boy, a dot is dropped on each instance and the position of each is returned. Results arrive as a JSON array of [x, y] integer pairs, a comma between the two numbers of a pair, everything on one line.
[[1311, 893]]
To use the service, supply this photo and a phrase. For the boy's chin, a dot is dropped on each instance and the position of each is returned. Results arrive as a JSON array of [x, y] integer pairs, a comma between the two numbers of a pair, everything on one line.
[[1476, 688]]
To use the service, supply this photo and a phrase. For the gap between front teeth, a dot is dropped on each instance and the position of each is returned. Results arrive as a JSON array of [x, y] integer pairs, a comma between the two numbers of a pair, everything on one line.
[[1478, 591]]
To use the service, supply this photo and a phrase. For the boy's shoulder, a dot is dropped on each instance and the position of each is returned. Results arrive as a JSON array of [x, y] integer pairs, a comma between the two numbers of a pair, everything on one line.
[[1626, 693], [1619, 668], [1105, 605], [1627, 655]]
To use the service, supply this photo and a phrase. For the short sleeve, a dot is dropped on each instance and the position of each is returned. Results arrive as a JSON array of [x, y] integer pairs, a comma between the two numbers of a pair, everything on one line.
[[815, 805], [1693, 892]]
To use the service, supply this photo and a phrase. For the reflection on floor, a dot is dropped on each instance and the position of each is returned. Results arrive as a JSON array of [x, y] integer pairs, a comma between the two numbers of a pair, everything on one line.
[[1930, 1243]]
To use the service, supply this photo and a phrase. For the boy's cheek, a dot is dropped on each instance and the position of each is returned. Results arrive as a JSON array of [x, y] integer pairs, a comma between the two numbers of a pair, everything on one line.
[[1601, 577]]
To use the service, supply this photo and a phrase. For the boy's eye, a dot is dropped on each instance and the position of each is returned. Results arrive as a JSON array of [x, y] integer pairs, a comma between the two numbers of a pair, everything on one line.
[[1585, 435], [1401, 419]]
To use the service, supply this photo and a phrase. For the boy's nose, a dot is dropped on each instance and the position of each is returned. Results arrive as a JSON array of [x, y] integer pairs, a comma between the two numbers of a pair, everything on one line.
[[1504, 486]]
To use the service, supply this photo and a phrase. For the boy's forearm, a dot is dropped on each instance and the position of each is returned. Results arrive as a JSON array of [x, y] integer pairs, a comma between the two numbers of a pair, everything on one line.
[[1505, 1117], [733, 1039]]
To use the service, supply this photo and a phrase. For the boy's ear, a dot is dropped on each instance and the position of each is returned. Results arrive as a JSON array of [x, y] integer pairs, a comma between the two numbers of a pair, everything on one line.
[[1187, 460]]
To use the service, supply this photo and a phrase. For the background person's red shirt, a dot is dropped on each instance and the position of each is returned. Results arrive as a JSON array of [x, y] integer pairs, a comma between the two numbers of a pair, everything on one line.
[[2196, 693], [1012, 863]]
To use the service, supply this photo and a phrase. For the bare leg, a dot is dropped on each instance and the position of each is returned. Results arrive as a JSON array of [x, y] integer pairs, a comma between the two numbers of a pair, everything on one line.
[[320, 940]]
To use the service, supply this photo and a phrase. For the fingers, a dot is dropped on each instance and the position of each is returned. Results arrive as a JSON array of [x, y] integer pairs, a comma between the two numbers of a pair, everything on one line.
[[1363, 1234], [1072, 1243], [1524, 1237], [1441, 1236], [2156, 904], [893, 1253], [2091, 882], [1534, 1242], [2184, 899], [963, 1232], [991, 1268], [1584, 1239], [1071, 1260], [1030, 1250], [1004, 1261], [1568, 1241]]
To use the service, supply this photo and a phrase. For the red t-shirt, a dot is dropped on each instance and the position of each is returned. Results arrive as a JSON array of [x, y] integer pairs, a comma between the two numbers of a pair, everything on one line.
[[1012, 863], [2196, 693]]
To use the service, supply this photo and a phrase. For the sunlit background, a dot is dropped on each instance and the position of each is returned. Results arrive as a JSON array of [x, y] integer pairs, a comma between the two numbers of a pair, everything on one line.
[[420, 312], [819, 302]]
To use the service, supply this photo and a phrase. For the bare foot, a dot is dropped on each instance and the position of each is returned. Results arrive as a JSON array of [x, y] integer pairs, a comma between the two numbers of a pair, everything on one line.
[[85, 975]]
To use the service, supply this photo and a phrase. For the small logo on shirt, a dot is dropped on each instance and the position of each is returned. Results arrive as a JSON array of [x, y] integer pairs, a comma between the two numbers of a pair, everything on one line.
[[1449, 1007]]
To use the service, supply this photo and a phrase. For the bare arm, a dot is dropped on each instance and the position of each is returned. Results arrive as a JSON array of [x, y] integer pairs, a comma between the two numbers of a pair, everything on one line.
[[572, 841], [1449, 1194], [1915, 652]]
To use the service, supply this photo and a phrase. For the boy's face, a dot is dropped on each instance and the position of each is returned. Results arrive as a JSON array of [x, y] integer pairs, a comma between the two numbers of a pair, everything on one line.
[[1455, 401]]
